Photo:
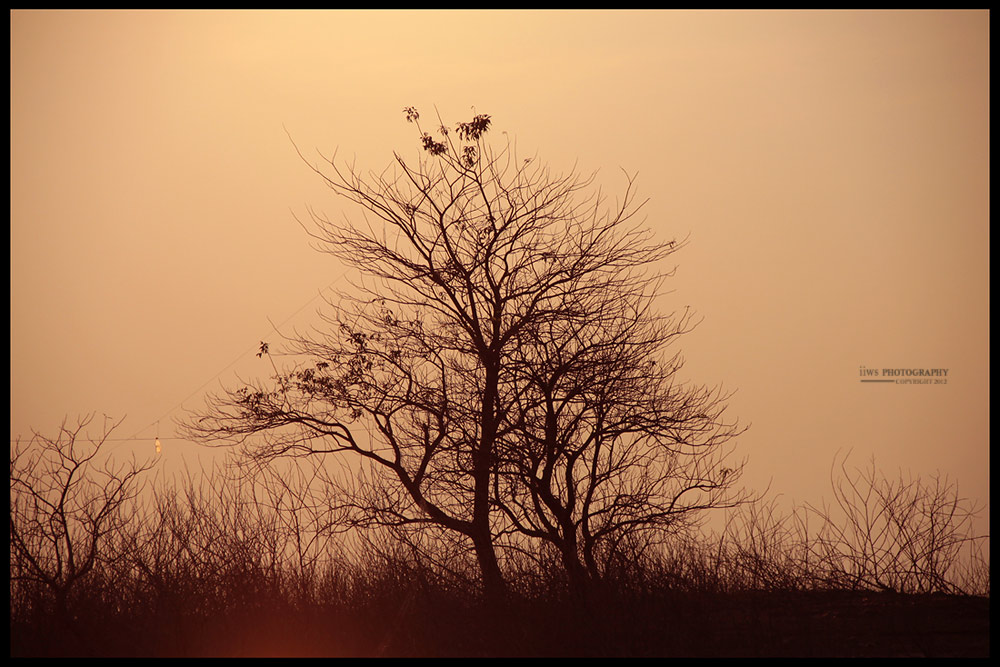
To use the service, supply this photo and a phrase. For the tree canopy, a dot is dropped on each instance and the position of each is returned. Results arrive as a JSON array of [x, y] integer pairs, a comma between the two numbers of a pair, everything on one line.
[[499, 374]]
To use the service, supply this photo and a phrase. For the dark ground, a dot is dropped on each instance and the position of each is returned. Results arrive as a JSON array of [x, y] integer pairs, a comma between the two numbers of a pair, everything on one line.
[[828, 624], [844, 624], [806, 624]]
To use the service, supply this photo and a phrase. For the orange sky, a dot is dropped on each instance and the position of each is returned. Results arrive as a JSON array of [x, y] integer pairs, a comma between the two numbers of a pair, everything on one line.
[[831, 169]]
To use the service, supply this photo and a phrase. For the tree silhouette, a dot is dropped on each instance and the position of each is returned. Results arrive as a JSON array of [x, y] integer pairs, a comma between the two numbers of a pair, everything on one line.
[[607, 445], [66, 500], [498, 372]]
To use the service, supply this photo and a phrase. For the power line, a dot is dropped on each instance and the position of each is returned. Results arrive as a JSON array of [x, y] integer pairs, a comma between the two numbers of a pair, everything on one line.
[[274, 328]]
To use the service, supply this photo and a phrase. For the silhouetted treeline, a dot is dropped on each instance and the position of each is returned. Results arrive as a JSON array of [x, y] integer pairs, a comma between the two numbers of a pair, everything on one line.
[[238, 562]]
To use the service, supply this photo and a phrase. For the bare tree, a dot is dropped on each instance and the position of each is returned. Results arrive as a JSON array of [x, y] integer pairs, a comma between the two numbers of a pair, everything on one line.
[[496, 298], [606, 442], [66, 499]]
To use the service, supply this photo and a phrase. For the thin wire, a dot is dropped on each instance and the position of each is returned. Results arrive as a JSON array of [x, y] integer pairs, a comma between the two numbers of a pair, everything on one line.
[[274, 328]]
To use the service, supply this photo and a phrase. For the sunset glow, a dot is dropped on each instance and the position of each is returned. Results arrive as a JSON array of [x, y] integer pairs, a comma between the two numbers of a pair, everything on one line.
[[825, 174]]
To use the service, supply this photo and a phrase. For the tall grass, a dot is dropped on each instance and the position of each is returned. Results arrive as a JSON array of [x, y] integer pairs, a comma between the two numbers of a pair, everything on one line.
[[225, 564]]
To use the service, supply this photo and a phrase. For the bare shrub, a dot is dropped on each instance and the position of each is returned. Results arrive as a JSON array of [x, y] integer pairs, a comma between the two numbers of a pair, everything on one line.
[[66, 501], [905, 534]]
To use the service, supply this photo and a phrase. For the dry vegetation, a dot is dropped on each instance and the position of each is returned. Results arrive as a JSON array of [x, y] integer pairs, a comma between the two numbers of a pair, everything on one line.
[[249, 562]]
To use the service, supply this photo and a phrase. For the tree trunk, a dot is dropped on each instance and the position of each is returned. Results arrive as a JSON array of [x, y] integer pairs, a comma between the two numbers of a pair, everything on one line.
[[579, 579], [494, 586]]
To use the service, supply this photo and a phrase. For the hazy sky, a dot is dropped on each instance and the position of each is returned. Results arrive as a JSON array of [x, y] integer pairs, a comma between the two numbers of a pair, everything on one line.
[[830, 168]]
